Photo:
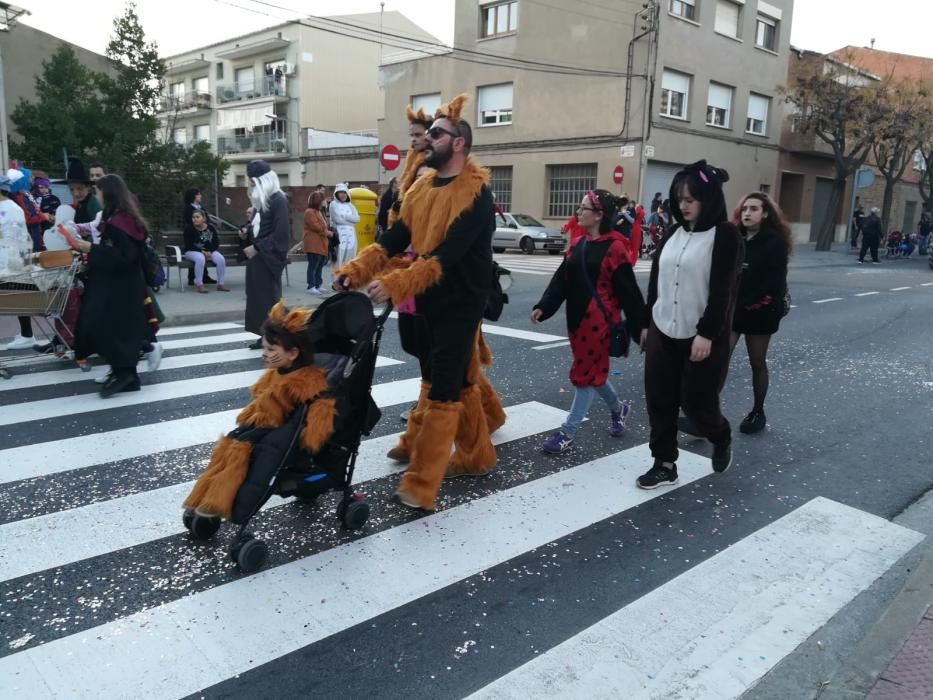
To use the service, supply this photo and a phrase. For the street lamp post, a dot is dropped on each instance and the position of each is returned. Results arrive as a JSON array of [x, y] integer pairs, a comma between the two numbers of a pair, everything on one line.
[[9, 16]]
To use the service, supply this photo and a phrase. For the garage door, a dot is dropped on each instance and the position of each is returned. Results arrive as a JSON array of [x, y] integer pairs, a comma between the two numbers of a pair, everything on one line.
[[658, 177]]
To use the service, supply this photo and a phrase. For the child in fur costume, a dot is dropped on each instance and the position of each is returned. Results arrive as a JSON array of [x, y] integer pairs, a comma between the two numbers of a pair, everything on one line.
[[291, 378]]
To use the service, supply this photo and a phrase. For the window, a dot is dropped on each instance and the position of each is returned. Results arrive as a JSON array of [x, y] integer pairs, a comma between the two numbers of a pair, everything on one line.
[[495, 104], [764, 189], [727, 18], [180, 136], [684, 8], [500, 182], [201, 86], [241, 181], [220, 71], [766, 33], [177, 91], [245, 82], [919, 161], [202, 132], [719, 105], [757, 122], [675, 88], [430, 102], [566, 186], [501, 18]]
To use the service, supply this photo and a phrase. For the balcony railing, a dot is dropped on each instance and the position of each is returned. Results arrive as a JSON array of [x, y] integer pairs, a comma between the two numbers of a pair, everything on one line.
[[262, 142], [189, 101], [264, 86]]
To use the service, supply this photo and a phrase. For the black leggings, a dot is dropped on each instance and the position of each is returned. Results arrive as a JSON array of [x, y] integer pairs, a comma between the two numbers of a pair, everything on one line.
[[25, 326], [757, 347]]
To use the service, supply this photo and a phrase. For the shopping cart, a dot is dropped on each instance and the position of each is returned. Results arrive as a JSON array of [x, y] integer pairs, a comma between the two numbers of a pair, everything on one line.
[[42, 291]]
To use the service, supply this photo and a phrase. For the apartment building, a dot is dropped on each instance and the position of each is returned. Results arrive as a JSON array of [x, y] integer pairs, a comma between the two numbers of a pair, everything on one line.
[[576, 91], [303, 95]]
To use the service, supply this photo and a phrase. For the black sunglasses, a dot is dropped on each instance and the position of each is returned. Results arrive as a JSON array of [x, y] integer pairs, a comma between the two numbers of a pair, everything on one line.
[[435, 132]]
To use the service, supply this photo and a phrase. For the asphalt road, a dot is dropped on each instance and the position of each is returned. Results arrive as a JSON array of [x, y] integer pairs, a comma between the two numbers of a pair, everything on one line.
[[553, 577]]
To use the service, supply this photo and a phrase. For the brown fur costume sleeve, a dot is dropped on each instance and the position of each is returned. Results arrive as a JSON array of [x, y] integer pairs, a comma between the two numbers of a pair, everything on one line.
[[401, 284], [365, 266], [319, 425]]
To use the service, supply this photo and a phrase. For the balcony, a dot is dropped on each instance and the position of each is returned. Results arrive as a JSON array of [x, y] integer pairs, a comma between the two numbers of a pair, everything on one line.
[[266, 143], [253, 89], [189, 102]]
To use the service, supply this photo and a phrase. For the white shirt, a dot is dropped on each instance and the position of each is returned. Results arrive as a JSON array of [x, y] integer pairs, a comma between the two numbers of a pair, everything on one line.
[[683, 282], [14, 236]]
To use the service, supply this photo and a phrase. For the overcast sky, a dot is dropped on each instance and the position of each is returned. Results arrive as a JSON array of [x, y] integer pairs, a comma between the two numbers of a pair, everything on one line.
[[905, 26]]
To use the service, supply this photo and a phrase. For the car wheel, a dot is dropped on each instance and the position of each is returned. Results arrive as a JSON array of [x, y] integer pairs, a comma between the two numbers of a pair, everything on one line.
[[528, 246]]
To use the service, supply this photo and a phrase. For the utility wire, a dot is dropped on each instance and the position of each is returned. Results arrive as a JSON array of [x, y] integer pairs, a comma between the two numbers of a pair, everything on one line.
[[436, 49]]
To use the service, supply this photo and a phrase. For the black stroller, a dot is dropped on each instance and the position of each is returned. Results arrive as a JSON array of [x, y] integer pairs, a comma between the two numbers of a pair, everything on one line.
[[346, 338]]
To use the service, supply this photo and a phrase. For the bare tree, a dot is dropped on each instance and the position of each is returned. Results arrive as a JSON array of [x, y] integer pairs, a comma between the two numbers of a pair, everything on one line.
[[838, 102], [899, 135]]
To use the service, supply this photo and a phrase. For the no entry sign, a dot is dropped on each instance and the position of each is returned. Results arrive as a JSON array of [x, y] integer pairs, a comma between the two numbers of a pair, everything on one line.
[[390, 157], [618, 175]]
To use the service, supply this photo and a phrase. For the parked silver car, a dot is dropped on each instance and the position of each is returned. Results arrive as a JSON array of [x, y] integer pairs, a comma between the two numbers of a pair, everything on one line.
[[526, 232]]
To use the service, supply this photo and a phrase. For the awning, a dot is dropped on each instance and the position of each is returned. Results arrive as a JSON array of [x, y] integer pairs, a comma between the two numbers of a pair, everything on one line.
[[244, 117]]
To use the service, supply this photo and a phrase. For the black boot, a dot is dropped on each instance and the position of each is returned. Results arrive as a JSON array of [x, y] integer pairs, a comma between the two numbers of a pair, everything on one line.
[[119, 381]]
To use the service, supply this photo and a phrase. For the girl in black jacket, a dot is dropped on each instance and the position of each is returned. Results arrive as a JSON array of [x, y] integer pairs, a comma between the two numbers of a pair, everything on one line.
[[202, 245], [763, 285]]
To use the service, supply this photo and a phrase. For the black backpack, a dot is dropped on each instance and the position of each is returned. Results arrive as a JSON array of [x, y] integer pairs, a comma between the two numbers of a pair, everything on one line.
[[497, 297], [152, 267]]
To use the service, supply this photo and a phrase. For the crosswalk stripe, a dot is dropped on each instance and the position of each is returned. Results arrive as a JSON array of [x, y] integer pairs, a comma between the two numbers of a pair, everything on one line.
[[717, 628], [43, 459], [204, 359], [218, 339], [518, 333], [133, 520], [201, 328], [202, 639]]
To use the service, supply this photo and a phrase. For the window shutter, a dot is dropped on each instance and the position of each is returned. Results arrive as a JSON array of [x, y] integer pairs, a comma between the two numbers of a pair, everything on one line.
[[678, 82], [727, 18], [493, 97], [430, 102], [758, 108], [720, 96]]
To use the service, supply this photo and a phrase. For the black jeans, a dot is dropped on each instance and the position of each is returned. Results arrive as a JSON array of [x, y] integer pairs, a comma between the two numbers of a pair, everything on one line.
[[450, 348], [869, 243], [413, 332], [315, 270]]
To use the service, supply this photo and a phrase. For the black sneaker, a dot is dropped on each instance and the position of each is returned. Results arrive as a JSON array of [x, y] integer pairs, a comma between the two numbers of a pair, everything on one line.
[[722, 455], [256, 344], [658, 475], [685, 425], [753, 422]]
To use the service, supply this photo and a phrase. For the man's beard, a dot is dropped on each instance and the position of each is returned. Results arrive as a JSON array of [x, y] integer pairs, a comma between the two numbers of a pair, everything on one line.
[[438, 159]]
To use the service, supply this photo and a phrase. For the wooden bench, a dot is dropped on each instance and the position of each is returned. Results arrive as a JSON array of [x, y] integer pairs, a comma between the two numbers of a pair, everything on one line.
[[173, 243]]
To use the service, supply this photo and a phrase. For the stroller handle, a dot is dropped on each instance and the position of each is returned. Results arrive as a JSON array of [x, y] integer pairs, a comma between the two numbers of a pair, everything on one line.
[[382, 317]]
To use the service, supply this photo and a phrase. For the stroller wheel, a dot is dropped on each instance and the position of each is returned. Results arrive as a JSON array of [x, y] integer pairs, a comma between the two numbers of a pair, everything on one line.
[[187, 517], [203, 527], [355, 514], [250, 554]]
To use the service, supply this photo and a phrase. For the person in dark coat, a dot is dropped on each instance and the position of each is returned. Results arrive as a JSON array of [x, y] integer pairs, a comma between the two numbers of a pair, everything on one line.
[[268, 255], [79, 183], [872, 233], [112, 321], [759, 306], [385, 204]]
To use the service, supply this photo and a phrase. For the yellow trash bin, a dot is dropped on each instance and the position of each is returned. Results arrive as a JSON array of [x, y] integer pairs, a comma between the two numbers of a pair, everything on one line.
[[367, 205]]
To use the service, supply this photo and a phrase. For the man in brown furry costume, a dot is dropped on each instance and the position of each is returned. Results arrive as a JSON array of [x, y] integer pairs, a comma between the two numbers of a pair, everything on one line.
[[447, 217]]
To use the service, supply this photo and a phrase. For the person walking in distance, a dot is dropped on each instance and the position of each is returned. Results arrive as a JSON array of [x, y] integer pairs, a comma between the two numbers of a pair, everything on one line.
[[759, 307], [447, 219], [268, 254], [314, 243], [858, 216], [344, 217], [597, 282], [872, 233], [688, 319]]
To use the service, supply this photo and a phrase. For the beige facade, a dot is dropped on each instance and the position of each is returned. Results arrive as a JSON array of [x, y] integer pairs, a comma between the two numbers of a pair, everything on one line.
[[556, 114], [305, 98]]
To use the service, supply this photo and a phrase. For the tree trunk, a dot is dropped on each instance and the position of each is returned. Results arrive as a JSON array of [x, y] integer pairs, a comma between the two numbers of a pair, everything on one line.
[[826, 234], [886, 200]]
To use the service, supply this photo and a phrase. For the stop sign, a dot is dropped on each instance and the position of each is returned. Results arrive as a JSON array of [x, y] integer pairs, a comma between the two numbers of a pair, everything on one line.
[[618, 175], [390, 157]]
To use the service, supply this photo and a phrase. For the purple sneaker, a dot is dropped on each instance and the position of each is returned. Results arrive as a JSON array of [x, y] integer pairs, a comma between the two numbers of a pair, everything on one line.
[[557, 443], [617, 419]]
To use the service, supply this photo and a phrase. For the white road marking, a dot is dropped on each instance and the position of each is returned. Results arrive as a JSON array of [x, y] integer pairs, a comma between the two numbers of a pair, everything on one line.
[[197, 641], [898, 289], [824, 301], [134, 520], [210, 340], [867, 294], [716, 629], [519, 333], [202, 328], [927, 284], [43, 459], [551, 345], [65, 376]]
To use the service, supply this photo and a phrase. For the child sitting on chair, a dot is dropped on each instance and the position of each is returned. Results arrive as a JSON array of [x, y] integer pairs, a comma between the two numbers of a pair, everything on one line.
[[291, 379]]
